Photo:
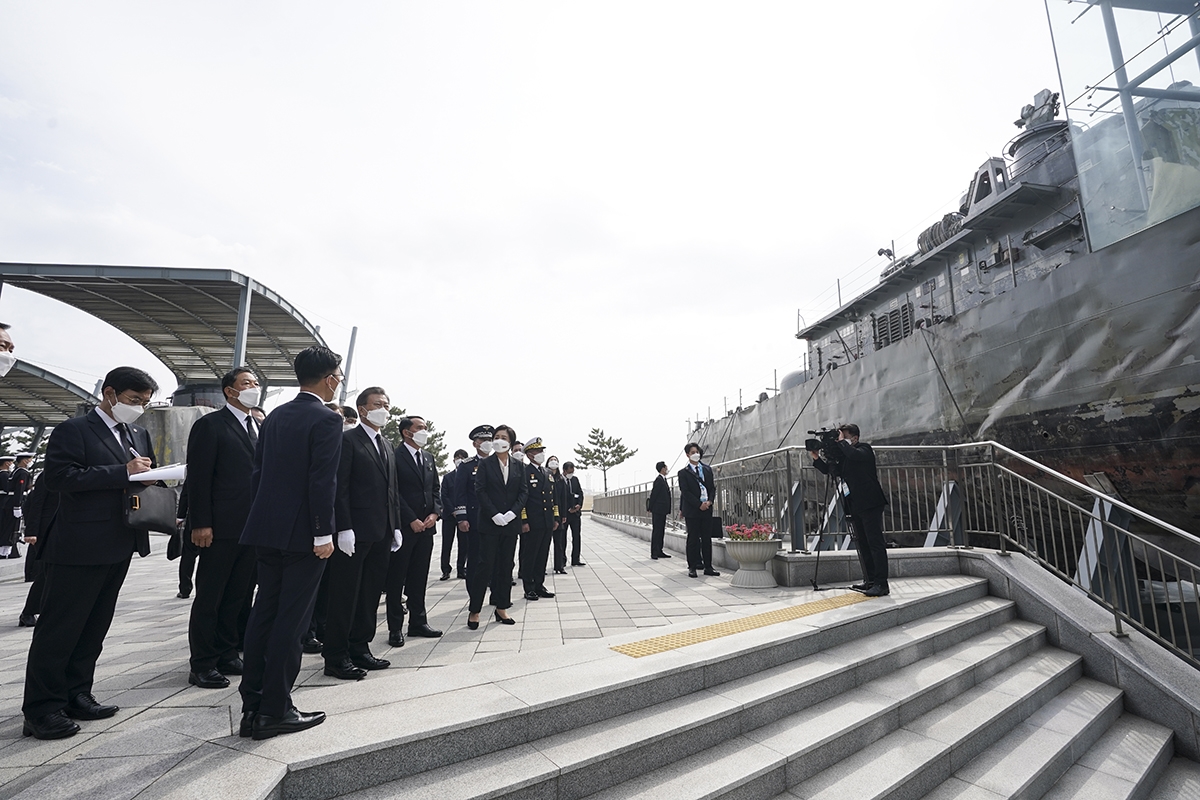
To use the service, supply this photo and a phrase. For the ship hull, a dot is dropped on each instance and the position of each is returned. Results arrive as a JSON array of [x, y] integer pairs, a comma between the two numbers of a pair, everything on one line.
[[1092, 367]]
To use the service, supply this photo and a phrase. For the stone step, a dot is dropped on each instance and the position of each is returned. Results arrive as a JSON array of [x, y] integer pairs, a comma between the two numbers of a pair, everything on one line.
[[784, 752], [506, 703], [605, 753], [1124, 764], [1181, 779], [1037, 753]]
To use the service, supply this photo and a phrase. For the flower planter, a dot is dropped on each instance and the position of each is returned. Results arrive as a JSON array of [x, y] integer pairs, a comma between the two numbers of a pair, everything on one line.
[[752, 558]]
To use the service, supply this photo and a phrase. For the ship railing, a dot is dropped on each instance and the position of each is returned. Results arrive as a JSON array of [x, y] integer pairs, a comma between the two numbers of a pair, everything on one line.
[[979, 494]]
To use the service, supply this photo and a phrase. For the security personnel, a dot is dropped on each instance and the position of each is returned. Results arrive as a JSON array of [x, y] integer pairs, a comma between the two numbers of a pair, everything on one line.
[[466, 503], [18, 483], [538, 521], [6, 518], [450, 530]]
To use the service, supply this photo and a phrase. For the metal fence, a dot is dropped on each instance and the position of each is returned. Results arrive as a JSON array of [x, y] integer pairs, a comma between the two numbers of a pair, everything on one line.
[[1141, 569]]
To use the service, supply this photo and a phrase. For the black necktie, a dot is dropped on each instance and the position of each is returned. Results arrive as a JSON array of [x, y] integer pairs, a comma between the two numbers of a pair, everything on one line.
[[253, 434], [126, 439], [379, 446], [417, 458]]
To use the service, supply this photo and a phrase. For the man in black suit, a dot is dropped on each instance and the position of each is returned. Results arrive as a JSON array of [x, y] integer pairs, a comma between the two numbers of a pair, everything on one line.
[[220, 461], [539, 520], [659, 507], [450, 530], [697, 489], [863, 505], [39, 510], [90, 461], [291, 527], [368, 522], [420, 509], [573, 518]]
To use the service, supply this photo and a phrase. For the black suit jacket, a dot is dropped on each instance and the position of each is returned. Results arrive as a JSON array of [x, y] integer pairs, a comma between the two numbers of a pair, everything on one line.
[[295, 476], [689, 491], [660, 496], [86, 466], [574, 493], [858, 471], [497, 496], [220, 461], [420, 491], [367, 501]]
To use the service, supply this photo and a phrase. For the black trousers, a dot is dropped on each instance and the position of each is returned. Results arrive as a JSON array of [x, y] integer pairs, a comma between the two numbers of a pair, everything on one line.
[[247, 604], [226, 570], [575, 523], [287, 592], [872, 547], [658, 532], [559, 538], [316, 625], [34, 575], [450, 532], [699, 545], [535, 549], [77, 610], [355, 584], [407, 577], [187, 564], [493, 568]]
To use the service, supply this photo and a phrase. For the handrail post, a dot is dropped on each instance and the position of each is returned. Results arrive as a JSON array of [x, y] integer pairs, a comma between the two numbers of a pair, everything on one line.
[[997, 501]]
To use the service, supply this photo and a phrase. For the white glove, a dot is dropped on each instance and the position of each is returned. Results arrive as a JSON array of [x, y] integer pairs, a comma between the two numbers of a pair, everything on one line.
[[17, 512], [499, 519], [345, 542], [508, 517], [397, 539]]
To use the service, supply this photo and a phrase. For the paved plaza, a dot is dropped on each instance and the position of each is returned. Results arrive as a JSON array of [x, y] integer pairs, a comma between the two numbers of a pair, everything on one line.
[[144, 666]]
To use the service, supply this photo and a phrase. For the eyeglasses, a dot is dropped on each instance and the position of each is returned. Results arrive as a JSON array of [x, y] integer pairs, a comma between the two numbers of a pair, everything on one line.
[[132, 401]]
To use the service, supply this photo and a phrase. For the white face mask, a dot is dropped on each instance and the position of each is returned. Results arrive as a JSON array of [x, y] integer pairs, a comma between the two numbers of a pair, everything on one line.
[[499, 446], [553, 463], [126, 414], [250, 397], [519, 457], [378, 417], [485, 448], [420, 438], [568, 475], [457, 461], [539, 458], [7, 360], [348, 426], [694, 458]]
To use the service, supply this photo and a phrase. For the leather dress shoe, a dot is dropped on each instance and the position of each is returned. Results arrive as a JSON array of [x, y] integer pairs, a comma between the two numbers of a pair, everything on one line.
[[27, 620], [662, 555], [84, 706], [54, 725], [312, 644], [183, 595], [424, 631], [344, 670], [369, 662], [462, 576], [878, 590], [560, 572], [264, 727], [247, 726], [578, 564], [234, 666], [692, 573], [445, 576], [209, 679], [396, 639], [861, 587], [541, 592], [711, 572], [531, 595]]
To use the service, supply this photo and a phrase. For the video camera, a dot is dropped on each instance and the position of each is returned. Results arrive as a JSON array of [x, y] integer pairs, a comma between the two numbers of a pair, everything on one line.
[[825, 444]]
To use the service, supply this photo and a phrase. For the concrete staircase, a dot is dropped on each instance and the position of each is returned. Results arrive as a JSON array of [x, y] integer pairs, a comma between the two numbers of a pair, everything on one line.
[[938, 691]]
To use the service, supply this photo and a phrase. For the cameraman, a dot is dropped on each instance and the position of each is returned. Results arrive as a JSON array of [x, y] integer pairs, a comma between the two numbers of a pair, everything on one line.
[[864, 504]]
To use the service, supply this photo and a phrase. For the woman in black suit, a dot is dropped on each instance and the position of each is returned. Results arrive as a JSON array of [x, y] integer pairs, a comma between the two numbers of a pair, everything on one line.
[[660, 506], [500, 487]]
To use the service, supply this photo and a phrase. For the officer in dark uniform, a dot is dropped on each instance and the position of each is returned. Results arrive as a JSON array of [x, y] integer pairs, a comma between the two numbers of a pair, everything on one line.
[[466, 503], [538, 521], [8, 525], [562, 497], [450, 531], [18, 484]]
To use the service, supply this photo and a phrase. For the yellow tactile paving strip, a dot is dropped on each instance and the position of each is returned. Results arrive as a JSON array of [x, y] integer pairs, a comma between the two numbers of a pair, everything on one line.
[[673, 641]]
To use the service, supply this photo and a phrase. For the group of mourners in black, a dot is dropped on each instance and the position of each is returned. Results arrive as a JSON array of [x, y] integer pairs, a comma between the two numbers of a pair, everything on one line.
[[302, 520]]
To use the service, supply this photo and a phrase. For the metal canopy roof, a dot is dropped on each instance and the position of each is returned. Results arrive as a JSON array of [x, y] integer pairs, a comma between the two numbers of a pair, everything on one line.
[[188, 318], [32, 397]]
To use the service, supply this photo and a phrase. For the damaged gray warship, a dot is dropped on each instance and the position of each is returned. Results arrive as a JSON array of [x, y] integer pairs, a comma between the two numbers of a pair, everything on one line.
[[1058, 310]]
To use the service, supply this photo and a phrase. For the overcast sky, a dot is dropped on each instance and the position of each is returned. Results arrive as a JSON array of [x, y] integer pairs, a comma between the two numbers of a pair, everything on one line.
[[558, 215]]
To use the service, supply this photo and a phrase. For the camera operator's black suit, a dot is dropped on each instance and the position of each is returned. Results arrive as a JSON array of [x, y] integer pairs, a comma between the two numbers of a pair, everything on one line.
[[864, 506]]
